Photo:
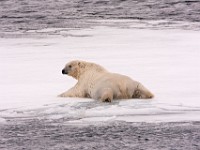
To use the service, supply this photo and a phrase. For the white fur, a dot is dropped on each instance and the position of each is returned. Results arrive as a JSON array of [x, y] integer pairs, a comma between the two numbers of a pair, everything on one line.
[[96, 82]]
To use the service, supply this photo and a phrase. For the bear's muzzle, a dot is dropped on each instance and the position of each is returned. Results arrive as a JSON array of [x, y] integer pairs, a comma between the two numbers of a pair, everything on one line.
[[64, 72]]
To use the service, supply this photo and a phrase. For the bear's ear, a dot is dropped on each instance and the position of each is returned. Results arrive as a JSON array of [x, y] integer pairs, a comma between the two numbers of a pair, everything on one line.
[[81, 64]]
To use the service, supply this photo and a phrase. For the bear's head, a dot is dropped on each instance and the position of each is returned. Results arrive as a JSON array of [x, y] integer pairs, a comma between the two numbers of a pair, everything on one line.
[[74, 68]]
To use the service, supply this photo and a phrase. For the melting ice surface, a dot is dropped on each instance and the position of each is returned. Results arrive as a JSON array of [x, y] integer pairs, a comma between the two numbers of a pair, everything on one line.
[[166, 61]]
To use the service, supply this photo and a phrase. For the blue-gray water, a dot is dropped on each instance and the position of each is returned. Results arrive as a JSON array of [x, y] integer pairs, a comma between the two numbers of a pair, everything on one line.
[[54, 135], [26, 15]]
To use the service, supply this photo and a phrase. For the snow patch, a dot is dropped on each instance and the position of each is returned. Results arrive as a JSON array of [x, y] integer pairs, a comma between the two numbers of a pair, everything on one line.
[[165, 61]]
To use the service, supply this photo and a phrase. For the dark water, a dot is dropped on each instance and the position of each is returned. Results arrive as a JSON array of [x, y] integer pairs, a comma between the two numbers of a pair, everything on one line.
[[40, 134], [25, 15]]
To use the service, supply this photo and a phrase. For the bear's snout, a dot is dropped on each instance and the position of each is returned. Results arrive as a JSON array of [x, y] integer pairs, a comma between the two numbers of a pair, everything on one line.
[[64, 72]]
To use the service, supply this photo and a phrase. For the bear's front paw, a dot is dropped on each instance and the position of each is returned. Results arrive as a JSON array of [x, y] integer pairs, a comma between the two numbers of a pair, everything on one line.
[[61, 95]]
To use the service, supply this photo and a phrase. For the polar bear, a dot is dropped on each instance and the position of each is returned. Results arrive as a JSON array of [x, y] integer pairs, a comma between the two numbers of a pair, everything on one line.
[[96, 82]]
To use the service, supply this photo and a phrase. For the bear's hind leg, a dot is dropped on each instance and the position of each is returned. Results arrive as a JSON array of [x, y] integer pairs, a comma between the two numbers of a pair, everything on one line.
[[142, 92], [106, 95]]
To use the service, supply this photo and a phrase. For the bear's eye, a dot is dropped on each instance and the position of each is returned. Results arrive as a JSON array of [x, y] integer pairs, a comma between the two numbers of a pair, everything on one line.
[[70, 66]]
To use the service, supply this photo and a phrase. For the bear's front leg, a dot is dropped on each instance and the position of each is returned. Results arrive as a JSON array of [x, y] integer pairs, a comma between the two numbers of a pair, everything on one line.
[[66, 94], [73, 92]]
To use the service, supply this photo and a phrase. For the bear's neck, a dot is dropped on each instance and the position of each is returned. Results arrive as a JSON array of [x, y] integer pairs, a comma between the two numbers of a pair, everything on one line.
[[89, 71]]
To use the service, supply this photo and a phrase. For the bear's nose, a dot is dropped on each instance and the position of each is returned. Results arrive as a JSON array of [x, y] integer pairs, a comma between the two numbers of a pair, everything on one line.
[[63, 71]]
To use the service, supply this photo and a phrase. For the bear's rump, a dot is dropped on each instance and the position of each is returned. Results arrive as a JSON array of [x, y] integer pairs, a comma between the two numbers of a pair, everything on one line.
[[122, 86]]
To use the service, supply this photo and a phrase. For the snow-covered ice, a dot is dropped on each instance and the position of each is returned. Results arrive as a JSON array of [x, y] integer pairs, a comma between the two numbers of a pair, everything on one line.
[[166, 61]]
